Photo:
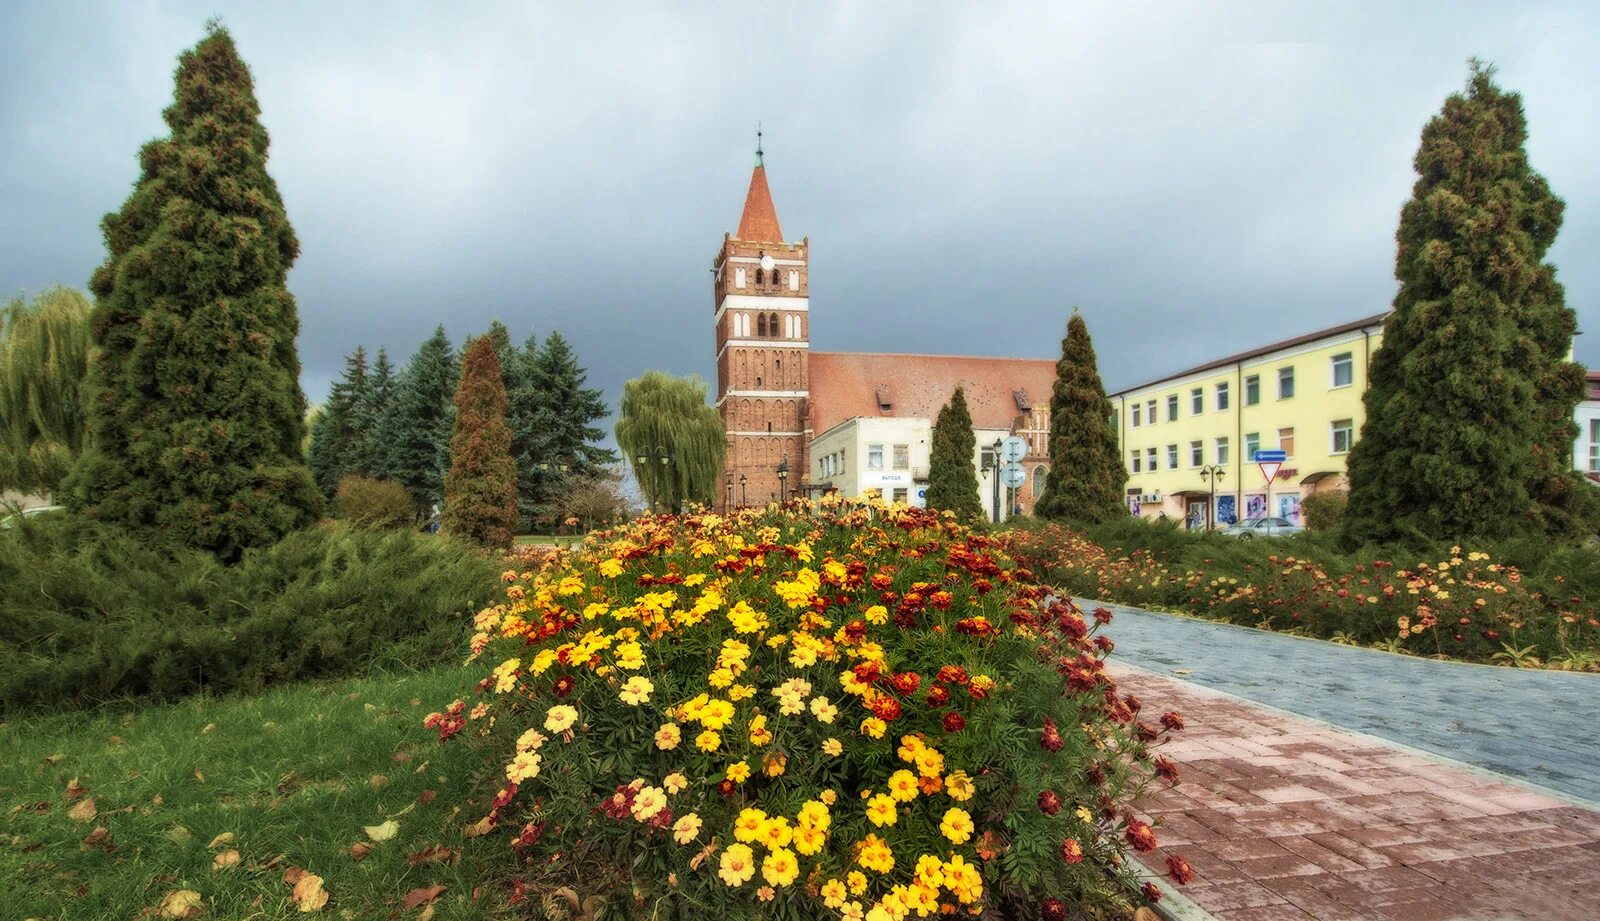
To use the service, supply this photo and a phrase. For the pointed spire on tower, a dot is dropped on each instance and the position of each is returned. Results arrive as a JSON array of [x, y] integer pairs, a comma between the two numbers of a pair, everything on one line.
[[759, 223]]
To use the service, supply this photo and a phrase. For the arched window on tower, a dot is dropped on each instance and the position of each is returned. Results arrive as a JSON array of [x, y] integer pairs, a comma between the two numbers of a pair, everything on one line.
[[772, 324], [761, 324], [1038, 481]]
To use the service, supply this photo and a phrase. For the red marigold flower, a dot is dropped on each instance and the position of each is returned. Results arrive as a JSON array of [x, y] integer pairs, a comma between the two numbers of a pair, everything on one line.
[[1172, 720], [868, 672], [727, 787], [1141, 836], [954, 722], [953, 674], [1071, 851], [531, 833], [938, 696], [564, 685], [906, 682], [1179, 870], [886, 709], [1050, 737], [1049, 802], [1102, 615], [1134, 704], [855, 630], [1054, 909], [1150, 892], [1166, 768]]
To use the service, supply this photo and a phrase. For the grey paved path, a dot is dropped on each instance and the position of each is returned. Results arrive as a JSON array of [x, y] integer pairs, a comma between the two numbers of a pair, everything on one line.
[[1538, 726]]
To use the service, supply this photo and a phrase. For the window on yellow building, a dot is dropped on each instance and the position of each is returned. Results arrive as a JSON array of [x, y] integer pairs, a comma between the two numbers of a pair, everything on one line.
[[1285, 383], [1222, 452], [1344, 369], [1137, 412], [1150, 460], [1133, 461], [1343, 435], [1197, 453], [1222, 397], [1172, 407], [1197, 401], [1252, 390], [1172, 457], [1150, 411], [1286, 441], [1252, 444], [902, 457]]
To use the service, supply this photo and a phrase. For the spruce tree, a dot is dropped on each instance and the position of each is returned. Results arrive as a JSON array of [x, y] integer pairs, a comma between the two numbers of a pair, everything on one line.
[[368, 415], [1086, 476], [522, 414], [336, 442], [952, 476], [196, 416], [415, 433], [480, 501], [563, 433], [1469, 411]]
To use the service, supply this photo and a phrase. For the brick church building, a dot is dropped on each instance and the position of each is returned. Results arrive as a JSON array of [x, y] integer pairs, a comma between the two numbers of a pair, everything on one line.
[[805, 422]]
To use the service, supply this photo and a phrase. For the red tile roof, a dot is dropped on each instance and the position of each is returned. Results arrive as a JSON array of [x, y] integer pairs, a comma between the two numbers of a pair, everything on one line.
[[1594, 386], [845, 385], [759, 223]]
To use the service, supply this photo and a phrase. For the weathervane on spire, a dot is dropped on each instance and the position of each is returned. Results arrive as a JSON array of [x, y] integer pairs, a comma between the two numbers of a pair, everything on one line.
[[758, 143]]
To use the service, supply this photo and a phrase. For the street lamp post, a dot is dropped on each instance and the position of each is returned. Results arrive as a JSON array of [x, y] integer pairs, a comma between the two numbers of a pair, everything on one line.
[[728, 503], [742, 500], [1212, 474], [643, 462], [783, 480]]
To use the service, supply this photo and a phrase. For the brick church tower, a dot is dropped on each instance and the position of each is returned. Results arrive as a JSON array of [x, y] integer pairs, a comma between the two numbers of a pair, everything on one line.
[[762, 335]]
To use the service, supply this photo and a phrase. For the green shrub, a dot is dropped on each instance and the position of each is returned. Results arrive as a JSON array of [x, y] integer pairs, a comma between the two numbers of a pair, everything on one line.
[[90, 614], [373, 504], [1324, 511]]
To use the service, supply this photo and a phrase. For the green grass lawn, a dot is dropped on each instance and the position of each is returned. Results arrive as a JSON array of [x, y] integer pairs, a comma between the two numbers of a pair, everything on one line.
[[293, 775]]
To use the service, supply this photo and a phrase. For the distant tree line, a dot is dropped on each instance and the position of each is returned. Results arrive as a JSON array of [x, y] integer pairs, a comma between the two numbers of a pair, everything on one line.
[[398, 425]]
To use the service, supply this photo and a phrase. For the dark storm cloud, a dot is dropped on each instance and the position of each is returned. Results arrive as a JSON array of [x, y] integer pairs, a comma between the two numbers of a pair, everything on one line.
[[1197, 178]]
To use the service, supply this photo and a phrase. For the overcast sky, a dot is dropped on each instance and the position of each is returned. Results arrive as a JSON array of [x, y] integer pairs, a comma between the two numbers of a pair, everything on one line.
[[1198, 178]]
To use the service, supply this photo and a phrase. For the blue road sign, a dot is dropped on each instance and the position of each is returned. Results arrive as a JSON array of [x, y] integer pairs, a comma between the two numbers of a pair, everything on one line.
[[1268, 456]]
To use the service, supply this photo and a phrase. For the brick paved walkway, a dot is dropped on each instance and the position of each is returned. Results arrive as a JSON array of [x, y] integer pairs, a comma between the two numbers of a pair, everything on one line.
[[1284, 819]]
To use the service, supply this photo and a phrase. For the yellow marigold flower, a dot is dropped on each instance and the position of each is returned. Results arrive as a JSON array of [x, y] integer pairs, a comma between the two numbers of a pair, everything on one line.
[[694, 579], [982, 683], [814, 814], [776, 832], [668, 736], [857, 881], [909, 747], [1082, 812], [611, 568], [963, 880], [791, 704], [957, 825], [780, 867], [833, 894], [560, 718], [505, 675], [542, 662], [922, 898], [874, 727], [959, 786], [809, 839], [530, 741], [747, 827], [708, 741], [903, 786], [851, 684], [877, 614], [832, 746], [716, 714], [775, 764], [829, 796], [648, 803], [741, 692], [876, 855], [881, 811], [630, 656], [739, 772], [675, 782], [636, 691], [524, 767], [930, 871], [823, 709], [686, 829], [930, 763], [738, 865]]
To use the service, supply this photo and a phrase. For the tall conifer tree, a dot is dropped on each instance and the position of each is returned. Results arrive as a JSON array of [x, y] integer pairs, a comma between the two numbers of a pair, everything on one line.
[[336, 439], [416, 431], [522, 414], [1086, 476], [952, 477], [563, 433], [1469, 411], [195, 410], [368, 414], [480, 501]]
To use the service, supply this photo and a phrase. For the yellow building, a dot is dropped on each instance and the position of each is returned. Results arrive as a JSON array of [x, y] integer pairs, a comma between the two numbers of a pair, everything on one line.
[[1195, 432]]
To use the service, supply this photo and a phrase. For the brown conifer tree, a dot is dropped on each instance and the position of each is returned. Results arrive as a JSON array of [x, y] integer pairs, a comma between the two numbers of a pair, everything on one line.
[[480, 491]]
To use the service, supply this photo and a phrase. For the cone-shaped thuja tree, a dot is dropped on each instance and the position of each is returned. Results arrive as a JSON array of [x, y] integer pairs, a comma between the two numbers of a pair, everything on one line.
[[1469, 410], [480, 491], [1086, 474], [196, 416], [952, 477]]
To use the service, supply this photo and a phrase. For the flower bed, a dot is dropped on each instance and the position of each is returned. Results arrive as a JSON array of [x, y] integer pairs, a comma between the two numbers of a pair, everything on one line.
[[834, 711], [1465, 605]]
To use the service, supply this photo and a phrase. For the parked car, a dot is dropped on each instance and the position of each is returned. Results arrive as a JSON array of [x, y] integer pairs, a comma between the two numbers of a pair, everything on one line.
[[11, 520], [1261, 527]]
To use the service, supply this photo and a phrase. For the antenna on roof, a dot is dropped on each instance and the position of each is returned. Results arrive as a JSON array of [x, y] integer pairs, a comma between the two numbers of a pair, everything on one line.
[[758, 143]]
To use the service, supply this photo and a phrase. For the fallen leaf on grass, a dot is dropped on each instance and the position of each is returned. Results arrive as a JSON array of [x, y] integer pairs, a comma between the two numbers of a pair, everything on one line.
[[293, 875], [436, 853], [182, 903], [199, 775], [382, 832], [100, 839], [477, 829], [427, 913], [426, 797], [402, 757], [84, 811], [209, 727], [220, 840], [119, 740], [360, 850], [225, 860], [378, 782], [422, 895], [309, 895], [52, 759], [76, 790]]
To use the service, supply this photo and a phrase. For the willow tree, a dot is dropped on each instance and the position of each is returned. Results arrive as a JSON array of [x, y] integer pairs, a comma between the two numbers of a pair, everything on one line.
[[44, 358], [673, 439], [196, 416]]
